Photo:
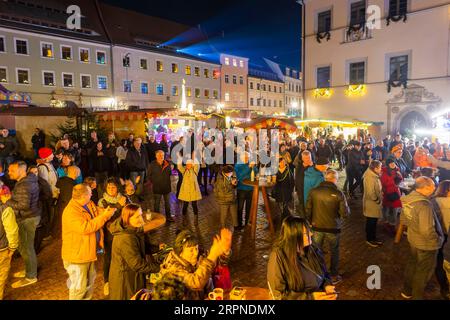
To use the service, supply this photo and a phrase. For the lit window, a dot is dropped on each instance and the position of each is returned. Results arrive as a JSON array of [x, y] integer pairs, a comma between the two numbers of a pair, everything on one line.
[[174, 68], [188, 92], [3, 75], [206, 93], [234, 80], [227, 79], [143, 64], [159, 66], [86, 81], [102, 82], [188, 70], [216, 94], [66, 53], [216, 74], [101, 57], [197, 71], [144, 87], [175, 91], [227, 61], [206, 73], [241, 63], [84, 55], [47, 50], [197, 92], [67, 80], [227, 96], [127, 86], [21, 46], [160, 89], [234, 63], [49, 78]]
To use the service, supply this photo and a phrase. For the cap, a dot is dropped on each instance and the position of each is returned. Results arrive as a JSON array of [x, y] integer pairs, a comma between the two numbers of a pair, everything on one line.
[[322, 161], [44, 153]]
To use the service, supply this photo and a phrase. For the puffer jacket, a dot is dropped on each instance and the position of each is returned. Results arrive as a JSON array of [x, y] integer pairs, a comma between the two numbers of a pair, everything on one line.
[[195, 278], [25, 198], [79, 232], [128, 261], [224, 191], [325, 208], [373, 195], [424, 228], [313, 178]]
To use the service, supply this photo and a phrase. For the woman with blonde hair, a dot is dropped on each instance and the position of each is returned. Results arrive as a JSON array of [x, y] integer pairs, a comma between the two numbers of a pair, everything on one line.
[[129, 265]]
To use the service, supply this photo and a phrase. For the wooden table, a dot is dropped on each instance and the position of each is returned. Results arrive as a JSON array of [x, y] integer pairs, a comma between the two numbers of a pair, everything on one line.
[[255, 293], [255, 200], [158, 220]]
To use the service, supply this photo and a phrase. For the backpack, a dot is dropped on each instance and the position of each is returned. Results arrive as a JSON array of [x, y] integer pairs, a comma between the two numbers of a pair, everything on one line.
[[407, 211]]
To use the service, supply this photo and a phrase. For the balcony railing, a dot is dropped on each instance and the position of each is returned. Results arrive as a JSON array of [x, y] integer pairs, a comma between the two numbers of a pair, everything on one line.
[[357, 33]]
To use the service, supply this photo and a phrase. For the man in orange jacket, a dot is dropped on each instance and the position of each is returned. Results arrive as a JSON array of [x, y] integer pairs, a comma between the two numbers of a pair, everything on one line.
[[82, 223]]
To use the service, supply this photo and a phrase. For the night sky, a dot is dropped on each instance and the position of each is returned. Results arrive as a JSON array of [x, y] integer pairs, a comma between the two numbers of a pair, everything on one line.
[[251, 28]]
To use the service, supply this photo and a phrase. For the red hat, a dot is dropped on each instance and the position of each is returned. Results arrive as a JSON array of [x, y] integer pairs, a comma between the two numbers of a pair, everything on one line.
[[44, 153]]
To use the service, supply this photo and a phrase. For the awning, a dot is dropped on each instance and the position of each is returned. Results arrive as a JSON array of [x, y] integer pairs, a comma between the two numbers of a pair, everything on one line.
[[270, 123], [326, 122]]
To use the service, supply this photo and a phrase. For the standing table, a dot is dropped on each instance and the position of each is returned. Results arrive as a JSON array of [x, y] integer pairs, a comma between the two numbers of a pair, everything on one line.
[[255, 199]]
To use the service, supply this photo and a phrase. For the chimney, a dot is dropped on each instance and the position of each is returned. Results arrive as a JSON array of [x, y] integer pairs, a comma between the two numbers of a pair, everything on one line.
[[288, 71]]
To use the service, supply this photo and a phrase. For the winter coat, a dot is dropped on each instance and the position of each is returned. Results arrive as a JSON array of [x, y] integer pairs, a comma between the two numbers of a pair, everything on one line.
[[313, 178], [299, 173], [190, 190], [224, 191], [128, 261], [243, 172], [136, 160], [9, 230], [354, 161], [195, 278], [48, 173], [160, 177], [326, 207], [100, 163], [324, 151], [389, 183], [113, 202], [424, 228], [373, 196], [444, 212], [401, 164], [25, 198], [277, 272], [282, 191], [152, 147], [65, 185], [79, 233], [11, 146], [38, 140]]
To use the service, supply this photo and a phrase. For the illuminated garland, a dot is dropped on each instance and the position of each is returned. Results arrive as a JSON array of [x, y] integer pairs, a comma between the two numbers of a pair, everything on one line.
[[357, 90], [322, 93]]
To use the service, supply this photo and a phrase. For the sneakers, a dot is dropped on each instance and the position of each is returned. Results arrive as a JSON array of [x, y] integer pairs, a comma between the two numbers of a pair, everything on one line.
[[23, 283], [106, 289], [20, 274], [405, 296], [374, 244], [336, 279]]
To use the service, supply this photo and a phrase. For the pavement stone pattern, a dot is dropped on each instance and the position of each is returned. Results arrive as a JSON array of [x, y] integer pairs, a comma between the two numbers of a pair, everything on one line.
[[249, 260]]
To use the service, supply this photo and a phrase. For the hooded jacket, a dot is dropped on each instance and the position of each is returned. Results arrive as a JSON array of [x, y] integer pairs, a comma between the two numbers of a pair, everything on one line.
[[25, 198], [128, 261], [424, 228]]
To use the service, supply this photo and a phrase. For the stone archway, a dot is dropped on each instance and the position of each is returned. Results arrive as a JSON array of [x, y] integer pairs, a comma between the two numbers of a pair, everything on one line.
[[413, 120]]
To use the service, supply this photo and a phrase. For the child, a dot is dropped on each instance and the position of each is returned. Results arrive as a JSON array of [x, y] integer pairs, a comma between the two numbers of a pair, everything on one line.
[[130, 193], [92, 183], [225, 192]]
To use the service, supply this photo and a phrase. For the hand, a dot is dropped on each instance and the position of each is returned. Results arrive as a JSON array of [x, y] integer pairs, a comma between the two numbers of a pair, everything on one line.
[[226, 237], [324, 296], [109, 212], [162, 246], [216, 249], [330, 289], [123, 201]]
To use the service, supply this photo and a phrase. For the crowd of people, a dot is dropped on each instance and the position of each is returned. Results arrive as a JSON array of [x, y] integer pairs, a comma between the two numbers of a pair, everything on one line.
[[92, 195]]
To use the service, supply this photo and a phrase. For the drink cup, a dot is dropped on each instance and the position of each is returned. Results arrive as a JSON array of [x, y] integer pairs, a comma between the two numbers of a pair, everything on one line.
[[216, 294]]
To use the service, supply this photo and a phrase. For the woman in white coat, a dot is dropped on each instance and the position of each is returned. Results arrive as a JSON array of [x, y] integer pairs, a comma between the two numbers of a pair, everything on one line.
[[190, 190], [372, 202]]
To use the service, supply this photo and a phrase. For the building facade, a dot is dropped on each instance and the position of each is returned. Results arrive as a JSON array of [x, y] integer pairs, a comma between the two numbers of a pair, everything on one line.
[[233, 82], [265, 93], [293, 92], [396, 73]]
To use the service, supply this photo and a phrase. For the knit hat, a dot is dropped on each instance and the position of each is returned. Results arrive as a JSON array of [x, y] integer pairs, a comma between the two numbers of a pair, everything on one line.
[[44, 153], [389, 161], [322, 161], [396, 148]]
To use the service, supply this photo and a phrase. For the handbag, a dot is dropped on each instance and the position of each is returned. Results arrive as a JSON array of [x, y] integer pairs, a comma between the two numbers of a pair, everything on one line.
[[222, 278], [393, 196]]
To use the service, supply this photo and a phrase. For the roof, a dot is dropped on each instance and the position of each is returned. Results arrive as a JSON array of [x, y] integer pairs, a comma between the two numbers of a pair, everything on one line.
[[260, 74], [41, 111], [270, 122]]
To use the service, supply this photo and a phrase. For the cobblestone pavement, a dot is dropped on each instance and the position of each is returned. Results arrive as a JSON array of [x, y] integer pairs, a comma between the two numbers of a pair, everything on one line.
[[249, 261]]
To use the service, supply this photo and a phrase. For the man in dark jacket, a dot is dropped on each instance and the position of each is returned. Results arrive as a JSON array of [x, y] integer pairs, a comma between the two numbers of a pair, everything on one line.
[[354, 168], [324, 150], [38, 141], [325, 208], [9, 148], [137, 163], [159, 173], [25, 203], [152, 146]]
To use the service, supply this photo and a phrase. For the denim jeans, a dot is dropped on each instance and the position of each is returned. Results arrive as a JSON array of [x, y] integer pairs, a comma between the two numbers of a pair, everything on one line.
[[140, 185], [81, 280], [333, 239], [27, 231], [244, 198], [419, 270], [157, 202], [390, 215]]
